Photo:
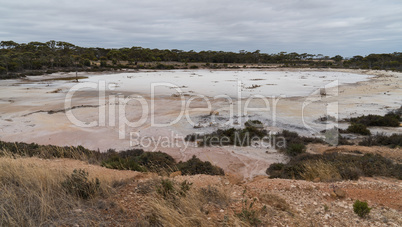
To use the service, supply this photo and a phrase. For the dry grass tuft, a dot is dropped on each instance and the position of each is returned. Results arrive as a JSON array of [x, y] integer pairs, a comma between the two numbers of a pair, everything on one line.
[[193, 206], [31, 195], [215, 195], [320, 171], [276, 202]]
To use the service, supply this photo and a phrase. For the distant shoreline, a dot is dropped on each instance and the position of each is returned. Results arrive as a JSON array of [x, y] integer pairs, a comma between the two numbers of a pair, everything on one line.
[[162, 66]]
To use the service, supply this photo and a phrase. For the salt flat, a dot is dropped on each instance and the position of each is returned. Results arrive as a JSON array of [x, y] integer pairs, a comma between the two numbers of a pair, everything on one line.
[[33, 109], [213, 83]]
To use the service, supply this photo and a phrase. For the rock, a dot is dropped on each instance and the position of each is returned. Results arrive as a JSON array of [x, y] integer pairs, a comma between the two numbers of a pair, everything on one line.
[[221, 211], [340, 193]]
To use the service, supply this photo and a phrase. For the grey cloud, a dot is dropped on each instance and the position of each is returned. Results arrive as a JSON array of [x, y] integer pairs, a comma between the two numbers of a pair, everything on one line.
[[347, 27]]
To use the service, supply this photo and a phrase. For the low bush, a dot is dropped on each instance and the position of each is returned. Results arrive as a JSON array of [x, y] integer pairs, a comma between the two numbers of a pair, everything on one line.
[[349, 167], [295, 144], [391, 119], [324, 171], [213, 195], [239, 137], [158, 162], [253, 131], [163, 66], [79, 185], [170, 189], [361, 208], [358, 128], [380, 139], [248, 213], [295, 149], [166, 188], [134, 159], [196, 166], [294, 138], [333, 136], [32, 194], [117, 162], [48, 151]]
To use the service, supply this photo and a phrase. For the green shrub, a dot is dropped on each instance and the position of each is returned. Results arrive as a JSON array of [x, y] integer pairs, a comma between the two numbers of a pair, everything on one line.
[[350, 167], [295, 144], [3, 70], [244, 137], [358, 129], [295, 149], [194, 67], [117, 162], [212, 194], [380, 139], [248, 214], [79, 185], [157, 161], [48, 151], [391, 119], [163, 66], [361, 208], [87, 62], [322, 170], [135, 159], [254, 123], [276, 166], [196, 166], [170, 189], [232, 136], [293, 137], [166, 188]]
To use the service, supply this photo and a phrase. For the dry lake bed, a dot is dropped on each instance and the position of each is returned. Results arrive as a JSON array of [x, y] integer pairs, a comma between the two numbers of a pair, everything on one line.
[[155, 110]]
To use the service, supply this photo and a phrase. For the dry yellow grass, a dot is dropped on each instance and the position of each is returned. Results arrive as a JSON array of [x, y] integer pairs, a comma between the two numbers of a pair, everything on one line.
[[193, 209], [33, 195], [321, 171]]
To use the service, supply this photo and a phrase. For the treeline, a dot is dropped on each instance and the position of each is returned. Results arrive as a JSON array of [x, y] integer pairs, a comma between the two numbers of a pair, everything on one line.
[[16, 58]]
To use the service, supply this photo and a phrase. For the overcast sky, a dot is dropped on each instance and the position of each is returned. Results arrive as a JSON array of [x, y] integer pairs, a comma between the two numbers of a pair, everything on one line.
[[345, 27]]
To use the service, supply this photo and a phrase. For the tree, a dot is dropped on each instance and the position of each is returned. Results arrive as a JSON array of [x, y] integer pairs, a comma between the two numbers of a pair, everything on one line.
[[337, 58], [8, 44]]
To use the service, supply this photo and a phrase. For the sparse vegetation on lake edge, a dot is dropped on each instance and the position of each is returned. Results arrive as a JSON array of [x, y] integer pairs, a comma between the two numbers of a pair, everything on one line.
[[358, 129], [391, 119], [136, 159], [393, 141], [335, 167], [291, 144]]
